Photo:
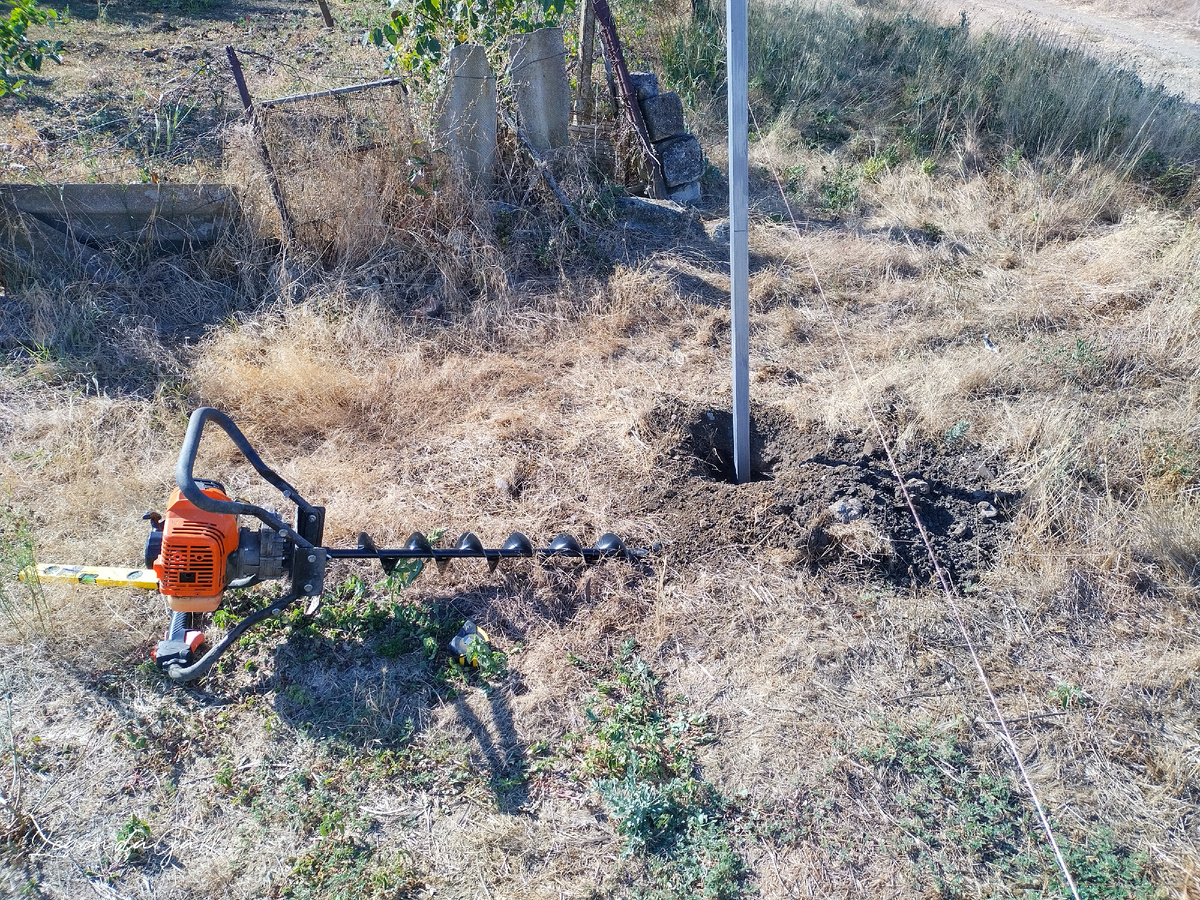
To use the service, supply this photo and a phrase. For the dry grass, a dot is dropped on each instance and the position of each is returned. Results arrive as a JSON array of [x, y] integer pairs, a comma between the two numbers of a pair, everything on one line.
[[522, 407]]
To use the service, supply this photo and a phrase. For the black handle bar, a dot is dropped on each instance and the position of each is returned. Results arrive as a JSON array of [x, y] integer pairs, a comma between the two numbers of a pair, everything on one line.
[[192, 491]]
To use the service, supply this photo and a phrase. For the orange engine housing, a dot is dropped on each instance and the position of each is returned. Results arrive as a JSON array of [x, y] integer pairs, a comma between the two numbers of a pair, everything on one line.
[[196, 545]]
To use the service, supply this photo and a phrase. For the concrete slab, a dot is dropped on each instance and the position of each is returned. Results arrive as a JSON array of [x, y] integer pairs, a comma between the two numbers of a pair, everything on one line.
[[645, 84], [682, 160], [664, 115], [539, 76], [98, 216], [686, 194], [468, 118]]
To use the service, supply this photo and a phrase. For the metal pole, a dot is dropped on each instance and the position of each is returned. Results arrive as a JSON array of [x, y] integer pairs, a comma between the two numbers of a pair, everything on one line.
[[739, 231]]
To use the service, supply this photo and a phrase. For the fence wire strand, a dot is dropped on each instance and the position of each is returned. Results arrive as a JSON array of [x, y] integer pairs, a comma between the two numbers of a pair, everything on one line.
[[948, 588]]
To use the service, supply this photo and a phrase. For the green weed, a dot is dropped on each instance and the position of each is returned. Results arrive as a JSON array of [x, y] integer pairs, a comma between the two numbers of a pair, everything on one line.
[[22, 599], [1066, 695], [640, 753], [932, 231], [962, 826], [1170, 462], [957, 432], [133, 840], [1082, 363], [347, 869], [840, 191], [880, 164]]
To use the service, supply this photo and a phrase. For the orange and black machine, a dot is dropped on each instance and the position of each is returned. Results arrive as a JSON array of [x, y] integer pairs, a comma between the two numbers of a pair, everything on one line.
[[197, 550]]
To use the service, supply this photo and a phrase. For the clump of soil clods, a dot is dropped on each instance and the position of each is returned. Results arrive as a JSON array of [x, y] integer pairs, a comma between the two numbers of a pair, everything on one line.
[[820, 498]]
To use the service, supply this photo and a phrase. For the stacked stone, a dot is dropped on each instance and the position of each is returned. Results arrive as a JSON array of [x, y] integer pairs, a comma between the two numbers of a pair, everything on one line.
[[680, 153]]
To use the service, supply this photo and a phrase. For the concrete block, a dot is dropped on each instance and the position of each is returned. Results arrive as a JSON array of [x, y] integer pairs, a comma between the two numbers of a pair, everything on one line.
[[171, 217], [686, 194], [654, 215], [539, 75], [468, 118], [645, 84], [682, 160], [664, 116]]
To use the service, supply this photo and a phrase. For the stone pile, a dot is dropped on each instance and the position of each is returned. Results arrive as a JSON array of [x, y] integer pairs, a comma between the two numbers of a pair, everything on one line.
[[678, 150]]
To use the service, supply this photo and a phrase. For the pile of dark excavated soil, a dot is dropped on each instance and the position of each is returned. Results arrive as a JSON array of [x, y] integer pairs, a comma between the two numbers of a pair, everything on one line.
[[818, 498]]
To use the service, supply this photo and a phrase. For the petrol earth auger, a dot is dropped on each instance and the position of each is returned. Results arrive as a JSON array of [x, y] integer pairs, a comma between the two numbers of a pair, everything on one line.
[[197, 550]]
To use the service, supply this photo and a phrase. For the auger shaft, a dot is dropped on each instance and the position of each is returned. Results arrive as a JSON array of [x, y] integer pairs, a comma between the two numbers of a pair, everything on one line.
[[518, 546]]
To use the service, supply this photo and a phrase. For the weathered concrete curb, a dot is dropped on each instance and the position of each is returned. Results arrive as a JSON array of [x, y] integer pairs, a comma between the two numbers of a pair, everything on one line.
[[98, 216]]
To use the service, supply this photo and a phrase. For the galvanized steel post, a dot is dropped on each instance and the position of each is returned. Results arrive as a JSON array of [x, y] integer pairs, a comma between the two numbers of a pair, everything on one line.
[[739, 228]]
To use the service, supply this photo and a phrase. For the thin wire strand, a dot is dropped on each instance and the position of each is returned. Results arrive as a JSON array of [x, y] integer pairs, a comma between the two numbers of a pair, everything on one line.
[[948, 588]]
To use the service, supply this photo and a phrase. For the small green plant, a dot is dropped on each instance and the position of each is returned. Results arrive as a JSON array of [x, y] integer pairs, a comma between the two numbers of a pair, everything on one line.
[[932, 231], [406, 571], [956, 432], [961, 825], [1081, 363], [880, 164], [1169, 461], [297, 695], [1104, 870], [133, 840], [19, 52], [22, 599], [642, 760], [1066, 695], [347, 869], [793, 178], [840, 190]]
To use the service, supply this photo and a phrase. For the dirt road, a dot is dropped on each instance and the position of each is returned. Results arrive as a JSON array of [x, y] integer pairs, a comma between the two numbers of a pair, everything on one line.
[[1160, 41]]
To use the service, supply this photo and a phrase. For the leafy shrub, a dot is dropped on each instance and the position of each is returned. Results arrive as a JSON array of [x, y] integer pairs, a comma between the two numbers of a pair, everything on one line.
[[20, 52], [421, 32]]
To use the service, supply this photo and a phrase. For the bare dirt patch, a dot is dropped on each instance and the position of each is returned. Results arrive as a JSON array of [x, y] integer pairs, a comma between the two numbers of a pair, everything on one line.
[[820, 498]]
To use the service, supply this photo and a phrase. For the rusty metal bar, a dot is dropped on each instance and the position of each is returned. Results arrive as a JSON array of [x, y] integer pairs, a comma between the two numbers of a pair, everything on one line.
[[289, 232], [616, 57], [332, 92], [325, 13]]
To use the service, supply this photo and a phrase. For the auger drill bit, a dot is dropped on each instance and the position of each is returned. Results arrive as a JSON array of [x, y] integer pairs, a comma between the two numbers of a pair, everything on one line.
[[468, 546]]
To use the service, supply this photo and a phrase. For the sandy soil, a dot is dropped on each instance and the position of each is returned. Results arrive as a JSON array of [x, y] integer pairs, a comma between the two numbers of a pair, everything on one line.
[[1160, 41]]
